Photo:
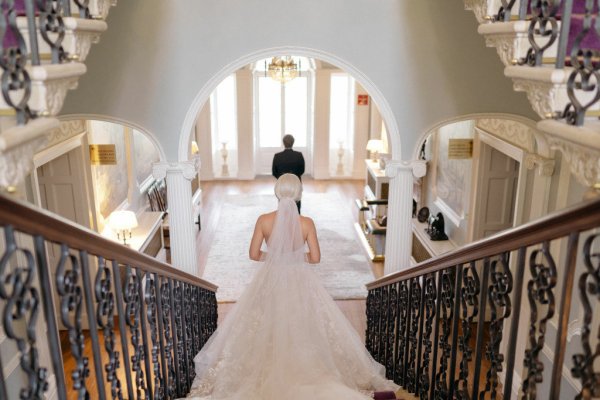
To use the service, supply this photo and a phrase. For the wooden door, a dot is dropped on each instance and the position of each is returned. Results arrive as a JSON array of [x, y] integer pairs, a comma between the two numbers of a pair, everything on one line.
[[497, 188]]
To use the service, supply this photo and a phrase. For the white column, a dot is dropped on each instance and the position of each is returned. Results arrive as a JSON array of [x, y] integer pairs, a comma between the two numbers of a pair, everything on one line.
[[398, 240], [182, 230]]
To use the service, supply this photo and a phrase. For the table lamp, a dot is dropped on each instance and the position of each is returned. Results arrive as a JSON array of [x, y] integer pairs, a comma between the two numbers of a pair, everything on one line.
[[122, 222]]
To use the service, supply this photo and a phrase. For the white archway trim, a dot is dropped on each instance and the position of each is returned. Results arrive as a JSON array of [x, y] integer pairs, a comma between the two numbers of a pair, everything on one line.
[[115, 120], [365, 82], [511, 117]]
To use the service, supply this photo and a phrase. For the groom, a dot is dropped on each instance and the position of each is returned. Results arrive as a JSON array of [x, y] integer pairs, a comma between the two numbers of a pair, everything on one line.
[[288, 161]]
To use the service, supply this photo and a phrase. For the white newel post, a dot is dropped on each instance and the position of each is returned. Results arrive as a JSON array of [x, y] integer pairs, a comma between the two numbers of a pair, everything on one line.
[[182, 230], [398, 241]]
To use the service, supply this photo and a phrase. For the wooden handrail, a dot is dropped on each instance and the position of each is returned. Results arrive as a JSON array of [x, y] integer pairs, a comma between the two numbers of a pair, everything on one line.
[[577, 218], [28, 219]]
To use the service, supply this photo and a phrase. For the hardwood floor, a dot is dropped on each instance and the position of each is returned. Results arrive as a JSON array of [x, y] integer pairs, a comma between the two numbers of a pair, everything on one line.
[[213, 192]]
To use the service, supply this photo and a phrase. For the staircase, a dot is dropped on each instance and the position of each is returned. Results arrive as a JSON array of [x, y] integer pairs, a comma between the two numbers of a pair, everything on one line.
[[44, 47], [552, 53]]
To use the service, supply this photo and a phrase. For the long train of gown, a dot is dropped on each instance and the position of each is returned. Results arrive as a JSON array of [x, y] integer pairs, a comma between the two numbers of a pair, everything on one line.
[[286, 339]]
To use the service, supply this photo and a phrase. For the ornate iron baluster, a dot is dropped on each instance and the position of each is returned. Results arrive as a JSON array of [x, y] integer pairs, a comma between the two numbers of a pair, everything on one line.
[[391, 334], [132, 310], [189, 339], [16, 82], [150, 300], [196, 319], [401, 344], [181, 355], [541, 304], [499, 292], [83, 6], [413, 331], [52, 27], [469, 297], [589, 289], [165, 299], [21, 309], [381, 353], [505, 10], [70, 293], [430, 297], [369, 336], [543, 23], [105, 315], [585, 76], [446, 315]]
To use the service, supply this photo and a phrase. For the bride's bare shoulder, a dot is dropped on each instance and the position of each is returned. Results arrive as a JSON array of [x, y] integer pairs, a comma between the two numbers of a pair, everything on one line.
[[266, 218], [306, 221]]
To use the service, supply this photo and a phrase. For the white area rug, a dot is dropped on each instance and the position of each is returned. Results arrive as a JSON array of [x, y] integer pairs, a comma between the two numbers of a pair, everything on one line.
[[344, 269]]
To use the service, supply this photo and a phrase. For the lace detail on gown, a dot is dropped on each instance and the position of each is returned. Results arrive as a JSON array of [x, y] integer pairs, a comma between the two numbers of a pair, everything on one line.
[[286, 337]]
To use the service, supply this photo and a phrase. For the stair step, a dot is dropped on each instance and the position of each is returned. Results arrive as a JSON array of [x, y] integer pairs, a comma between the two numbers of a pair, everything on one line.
[[546, 88], [80, 33], [49, 86]]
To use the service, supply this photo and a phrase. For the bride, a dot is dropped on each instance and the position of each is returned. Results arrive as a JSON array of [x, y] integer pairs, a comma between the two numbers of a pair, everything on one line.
[[286, 338]]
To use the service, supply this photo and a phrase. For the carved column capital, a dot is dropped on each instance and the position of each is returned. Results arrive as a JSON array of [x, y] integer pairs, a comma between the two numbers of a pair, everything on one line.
[[417, 167], [545, 165], [189, 169]]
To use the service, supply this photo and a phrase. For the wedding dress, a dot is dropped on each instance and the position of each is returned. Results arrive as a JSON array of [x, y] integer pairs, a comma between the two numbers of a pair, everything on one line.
[[286, 338]]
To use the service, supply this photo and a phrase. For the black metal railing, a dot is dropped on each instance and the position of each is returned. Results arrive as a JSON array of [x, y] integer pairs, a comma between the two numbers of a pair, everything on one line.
[[43, 17], [93, 318], [457, 327], [571, 30]]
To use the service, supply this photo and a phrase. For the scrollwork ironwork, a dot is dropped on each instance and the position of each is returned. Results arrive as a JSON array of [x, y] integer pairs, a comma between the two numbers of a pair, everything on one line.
[[182, 384], [16, 82], [413, 331], [429, 310], [105, 314], [401, 341], [21, 309], [151, 312], [469, 298], [189, 339], [542, 306], [499, 291], [383, 324], [165, 300], [132, 312], [391, 333], [585, 76], [505, 11], [52, 27], [70, 294], [446, 314], [585, 363], [544, 24]]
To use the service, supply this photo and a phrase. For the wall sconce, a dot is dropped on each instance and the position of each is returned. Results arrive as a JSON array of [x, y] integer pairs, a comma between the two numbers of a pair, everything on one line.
[[374, 146], [122, 222], [195, 148]]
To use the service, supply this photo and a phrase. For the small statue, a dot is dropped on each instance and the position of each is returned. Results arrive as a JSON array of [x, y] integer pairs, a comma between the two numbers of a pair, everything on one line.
[[436, 228]]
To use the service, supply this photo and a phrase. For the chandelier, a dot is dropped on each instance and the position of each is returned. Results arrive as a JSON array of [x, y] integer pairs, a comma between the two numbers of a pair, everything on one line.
[[283, 69]]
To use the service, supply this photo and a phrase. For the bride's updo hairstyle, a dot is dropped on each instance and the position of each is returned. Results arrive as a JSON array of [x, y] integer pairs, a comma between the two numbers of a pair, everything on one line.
[[288, 185]]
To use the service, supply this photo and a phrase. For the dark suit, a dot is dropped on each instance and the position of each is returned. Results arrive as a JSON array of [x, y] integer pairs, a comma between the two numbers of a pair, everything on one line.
[[288, 161]]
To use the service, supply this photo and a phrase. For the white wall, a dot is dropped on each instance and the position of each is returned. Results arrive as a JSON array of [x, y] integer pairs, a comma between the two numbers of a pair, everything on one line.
[[423, 56]]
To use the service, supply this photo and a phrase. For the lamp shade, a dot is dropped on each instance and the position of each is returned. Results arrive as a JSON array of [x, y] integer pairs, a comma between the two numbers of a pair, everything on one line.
[[122, 220], [375, 145]]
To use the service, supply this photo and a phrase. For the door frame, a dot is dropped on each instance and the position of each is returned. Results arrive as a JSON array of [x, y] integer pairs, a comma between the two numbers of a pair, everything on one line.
[[516, 153], [53, 152]]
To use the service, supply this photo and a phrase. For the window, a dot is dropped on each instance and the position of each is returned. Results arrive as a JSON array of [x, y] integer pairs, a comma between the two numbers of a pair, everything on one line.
[[282, 109], [341, 124], [223, 113]]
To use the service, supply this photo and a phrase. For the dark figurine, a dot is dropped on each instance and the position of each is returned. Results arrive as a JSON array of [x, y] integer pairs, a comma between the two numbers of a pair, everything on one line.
[[436, 228]]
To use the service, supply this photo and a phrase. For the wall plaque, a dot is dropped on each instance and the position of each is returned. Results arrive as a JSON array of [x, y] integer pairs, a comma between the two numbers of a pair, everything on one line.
[[103, 154], [460, 149]]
